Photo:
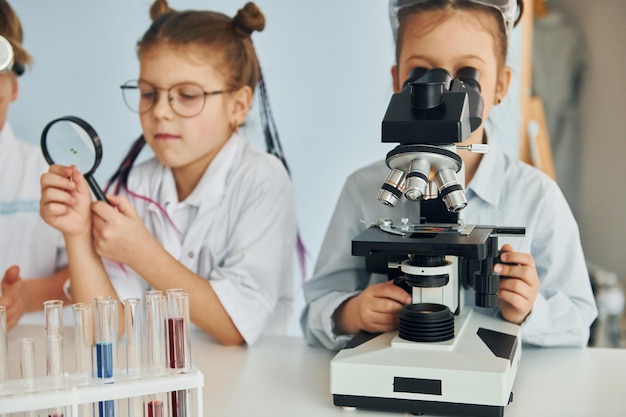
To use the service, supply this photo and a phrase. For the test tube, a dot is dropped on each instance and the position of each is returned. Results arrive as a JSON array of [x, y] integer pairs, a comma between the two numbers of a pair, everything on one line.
[[4, 361], [53, 310], [106, 347], [27, 360], [178, 348], [83, 343], [154, 364], [83, 351], [154, 408], [155, 358], [133, 329], [27, 368]]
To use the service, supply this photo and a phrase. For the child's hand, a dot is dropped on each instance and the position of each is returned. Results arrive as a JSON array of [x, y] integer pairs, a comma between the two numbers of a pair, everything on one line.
[[519, 284], [13, 295], [65, 200], [119, 234], [374, 310]]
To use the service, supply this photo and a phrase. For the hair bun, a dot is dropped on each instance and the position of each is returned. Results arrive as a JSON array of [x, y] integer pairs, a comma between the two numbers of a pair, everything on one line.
[[248, 19], [159, 8]]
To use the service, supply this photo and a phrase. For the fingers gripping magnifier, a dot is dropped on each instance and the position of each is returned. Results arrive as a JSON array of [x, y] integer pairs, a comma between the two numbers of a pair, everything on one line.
[[70, 140]]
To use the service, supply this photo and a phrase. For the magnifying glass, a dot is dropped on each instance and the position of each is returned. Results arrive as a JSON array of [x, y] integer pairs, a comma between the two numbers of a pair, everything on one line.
[[70, 140]]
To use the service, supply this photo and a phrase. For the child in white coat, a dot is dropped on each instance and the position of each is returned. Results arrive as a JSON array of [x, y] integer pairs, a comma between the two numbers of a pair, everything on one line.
[[544, 282], [32, 254], [209, 213]]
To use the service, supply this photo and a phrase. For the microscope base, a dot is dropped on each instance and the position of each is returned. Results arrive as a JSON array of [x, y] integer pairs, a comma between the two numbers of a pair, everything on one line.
[[418, 407], [470, 375]]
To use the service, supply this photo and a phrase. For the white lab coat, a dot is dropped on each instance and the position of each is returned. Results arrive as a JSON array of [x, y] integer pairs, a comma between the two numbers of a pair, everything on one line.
[[503, 192], [25, 239], [237, 229]]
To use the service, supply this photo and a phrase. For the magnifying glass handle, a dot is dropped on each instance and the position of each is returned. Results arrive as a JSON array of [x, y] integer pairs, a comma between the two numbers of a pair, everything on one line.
[[96, 189]]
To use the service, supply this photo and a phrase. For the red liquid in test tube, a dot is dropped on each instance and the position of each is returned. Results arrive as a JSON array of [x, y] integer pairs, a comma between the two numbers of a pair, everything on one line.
[[155, 409], [178, 314], [176, 332], [176, 336]]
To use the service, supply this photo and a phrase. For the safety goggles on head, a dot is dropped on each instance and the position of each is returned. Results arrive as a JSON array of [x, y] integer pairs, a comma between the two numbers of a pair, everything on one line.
[[507, 8], [7, 58], [6, 55]]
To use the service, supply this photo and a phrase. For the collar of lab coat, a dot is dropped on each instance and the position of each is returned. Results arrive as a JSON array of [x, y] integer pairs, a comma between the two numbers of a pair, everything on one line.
[[486, 183], [212, 185]]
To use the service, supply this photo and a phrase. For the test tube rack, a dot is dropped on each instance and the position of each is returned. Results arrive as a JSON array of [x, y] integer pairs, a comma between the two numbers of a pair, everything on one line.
[[18, 396], [64, 394]]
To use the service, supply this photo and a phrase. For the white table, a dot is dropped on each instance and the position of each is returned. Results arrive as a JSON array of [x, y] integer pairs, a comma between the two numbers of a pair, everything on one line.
[[282, 376]]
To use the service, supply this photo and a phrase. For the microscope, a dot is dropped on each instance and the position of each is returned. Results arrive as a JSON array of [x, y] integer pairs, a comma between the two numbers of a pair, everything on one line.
[[445, 358]]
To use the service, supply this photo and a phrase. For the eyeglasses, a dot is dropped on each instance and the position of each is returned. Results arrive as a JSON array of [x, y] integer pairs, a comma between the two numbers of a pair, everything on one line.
[[507, 8], [186, 99]]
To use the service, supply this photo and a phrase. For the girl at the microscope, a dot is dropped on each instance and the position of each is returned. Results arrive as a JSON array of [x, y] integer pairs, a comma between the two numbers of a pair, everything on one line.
[[210, 213], [545, 286]]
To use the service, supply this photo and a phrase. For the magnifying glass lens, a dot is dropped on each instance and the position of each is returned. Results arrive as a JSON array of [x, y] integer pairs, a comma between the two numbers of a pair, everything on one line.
[[68, 144], [72, 141]]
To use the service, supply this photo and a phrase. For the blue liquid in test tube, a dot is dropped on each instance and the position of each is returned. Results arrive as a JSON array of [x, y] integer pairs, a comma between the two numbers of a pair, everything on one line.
[[104, 358], [106, 343]]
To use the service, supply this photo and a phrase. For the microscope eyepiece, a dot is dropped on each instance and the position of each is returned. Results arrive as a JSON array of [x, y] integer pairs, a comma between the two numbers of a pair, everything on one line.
[[427, 87], [469, 76], [437, 75], [425, 96], [414, 75]]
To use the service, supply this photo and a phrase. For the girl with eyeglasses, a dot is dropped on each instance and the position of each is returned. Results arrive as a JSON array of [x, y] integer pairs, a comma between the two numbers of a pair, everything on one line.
[[210, 213], [544, 282], [32, 254]]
